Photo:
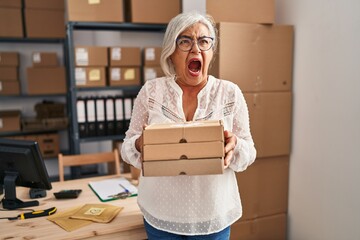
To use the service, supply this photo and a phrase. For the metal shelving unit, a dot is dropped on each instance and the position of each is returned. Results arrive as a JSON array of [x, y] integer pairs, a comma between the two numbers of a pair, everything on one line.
[[74, 138]]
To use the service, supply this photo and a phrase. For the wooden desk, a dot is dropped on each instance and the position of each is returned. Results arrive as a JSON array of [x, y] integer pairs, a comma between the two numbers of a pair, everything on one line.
[[128, 225]]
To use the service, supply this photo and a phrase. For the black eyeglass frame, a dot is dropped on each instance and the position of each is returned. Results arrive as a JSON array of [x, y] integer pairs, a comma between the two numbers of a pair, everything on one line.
[[192, 41]]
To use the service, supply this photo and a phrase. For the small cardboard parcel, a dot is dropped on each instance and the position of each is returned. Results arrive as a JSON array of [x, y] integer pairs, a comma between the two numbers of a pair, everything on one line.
[[189, 148]]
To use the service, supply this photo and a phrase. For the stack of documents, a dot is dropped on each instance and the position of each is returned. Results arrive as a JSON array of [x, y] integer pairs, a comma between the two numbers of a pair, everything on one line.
[[111, 189]]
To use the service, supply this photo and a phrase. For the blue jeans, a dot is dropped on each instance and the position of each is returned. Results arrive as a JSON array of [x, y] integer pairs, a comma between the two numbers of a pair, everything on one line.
[[156, 234]]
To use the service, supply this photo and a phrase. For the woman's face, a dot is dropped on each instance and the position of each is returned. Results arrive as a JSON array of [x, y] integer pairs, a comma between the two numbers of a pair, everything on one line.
[[191, 66]]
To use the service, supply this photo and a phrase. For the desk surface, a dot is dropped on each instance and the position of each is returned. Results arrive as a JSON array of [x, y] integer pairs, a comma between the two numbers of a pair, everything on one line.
[[127, 225]]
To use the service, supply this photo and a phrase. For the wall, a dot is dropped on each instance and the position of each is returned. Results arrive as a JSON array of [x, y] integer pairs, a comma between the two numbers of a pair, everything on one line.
[[324, 165]]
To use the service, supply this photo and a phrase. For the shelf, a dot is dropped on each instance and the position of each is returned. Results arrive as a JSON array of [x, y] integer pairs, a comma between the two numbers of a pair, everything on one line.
[[133, 89], [102, 138], [33, 40], [133, 27], [28, 132]]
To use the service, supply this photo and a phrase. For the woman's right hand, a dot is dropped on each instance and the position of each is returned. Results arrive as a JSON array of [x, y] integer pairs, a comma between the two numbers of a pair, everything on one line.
[[139, 141]]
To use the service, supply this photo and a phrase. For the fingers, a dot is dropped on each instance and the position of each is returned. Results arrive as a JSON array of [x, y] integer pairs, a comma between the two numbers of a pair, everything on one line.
[[230, 143]]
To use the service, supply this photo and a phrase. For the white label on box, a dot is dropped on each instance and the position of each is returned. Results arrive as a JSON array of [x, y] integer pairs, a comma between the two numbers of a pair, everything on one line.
[[100, 111], [37, 57], [80, 76], [119, 109], [150, 54], [1, 123], [150, 73], [94, 75], [116, 54], [82, 57], [109, 109], [94, 1], [115, 74], [129, 74]]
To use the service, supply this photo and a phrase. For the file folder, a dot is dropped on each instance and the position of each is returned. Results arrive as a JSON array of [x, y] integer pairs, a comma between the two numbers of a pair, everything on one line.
[[119, 115], [100, 116], [128, 103], [90, 116], [81, 117], [110, 115]]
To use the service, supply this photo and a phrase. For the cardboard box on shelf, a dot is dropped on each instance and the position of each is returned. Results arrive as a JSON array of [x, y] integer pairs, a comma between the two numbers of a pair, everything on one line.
[[152, 11], [95, 11], [177, 145], [152, 73], [10, 120], [43, 23], [48, 143], [9, 87], [11, 24], [9, 59], [9, 73], [49, 80], [124, 76], [250, 11], [151, 56], [125, 56], [45, 4], [90, 77], [91, 56], [256, 57], [269, 227], [270, 122], [255, 183], [44, 59]]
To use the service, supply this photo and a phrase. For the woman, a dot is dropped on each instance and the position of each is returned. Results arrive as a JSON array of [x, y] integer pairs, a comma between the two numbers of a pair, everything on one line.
[[191, 207]]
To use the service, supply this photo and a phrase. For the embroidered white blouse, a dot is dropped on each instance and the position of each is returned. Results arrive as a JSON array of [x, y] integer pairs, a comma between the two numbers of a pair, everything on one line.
[[191, 205]]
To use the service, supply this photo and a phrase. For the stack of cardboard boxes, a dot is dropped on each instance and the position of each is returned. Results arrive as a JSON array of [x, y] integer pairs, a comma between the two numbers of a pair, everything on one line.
[[257, 55], [9, 73], [151, 59], [11, 24], [46, 76]]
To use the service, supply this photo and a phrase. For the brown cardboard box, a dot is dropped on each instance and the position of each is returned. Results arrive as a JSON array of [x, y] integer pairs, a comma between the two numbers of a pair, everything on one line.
[[152, 56], [255, 57], [42, 23], [189, 132], [91, 56], [124, 76], [9, 59], [270, 122], [264, 228], [90, 76], [9, 120], [11, 22], [152, 11], [251, 11], [125, 56], [45, 4], [152, 73], [9, 87], [198, 148], [9, 73], [49, 80], [95, 11], [48, 143], [177, 151], [10, 3], [44, 59], [264, 187], [183, 167]]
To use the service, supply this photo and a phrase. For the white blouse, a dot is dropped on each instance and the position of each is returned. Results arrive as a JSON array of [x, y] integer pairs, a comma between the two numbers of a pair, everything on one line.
[[191, 205]]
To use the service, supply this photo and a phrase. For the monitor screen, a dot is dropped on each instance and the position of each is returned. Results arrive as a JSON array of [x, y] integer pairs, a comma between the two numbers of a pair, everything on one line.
[[21, 164]]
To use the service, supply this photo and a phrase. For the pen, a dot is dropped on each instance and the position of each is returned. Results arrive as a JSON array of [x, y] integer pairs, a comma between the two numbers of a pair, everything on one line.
[[126, 190], [121, 195]]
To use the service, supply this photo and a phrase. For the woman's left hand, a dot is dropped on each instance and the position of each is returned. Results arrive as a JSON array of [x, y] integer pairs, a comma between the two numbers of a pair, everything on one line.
[[230, 143]]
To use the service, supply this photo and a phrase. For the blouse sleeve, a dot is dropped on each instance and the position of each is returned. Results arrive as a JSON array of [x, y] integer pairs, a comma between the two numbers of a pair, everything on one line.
[[244, 152], [139, 117]]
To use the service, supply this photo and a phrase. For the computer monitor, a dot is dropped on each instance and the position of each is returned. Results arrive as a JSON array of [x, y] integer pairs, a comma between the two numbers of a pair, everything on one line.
[[21, 164]]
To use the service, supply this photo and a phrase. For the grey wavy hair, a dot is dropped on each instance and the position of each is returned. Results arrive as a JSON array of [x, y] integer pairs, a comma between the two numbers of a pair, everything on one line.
[[178, 25]]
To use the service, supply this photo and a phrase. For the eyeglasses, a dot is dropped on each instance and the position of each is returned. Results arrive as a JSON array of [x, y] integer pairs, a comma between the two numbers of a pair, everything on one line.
[[186, 43]]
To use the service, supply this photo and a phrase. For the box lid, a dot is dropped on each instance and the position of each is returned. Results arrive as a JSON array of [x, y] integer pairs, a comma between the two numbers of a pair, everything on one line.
[[10, 113], [195, 131]]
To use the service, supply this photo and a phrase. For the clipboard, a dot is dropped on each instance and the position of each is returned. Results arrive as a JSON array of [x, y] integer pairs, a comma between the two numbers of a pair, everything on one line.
[[106, 190]]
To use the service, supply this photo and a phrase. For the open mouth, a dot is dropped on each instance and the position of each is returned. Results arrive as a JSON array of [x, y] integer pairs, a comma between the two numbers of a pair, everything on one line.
[[194, 66]]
